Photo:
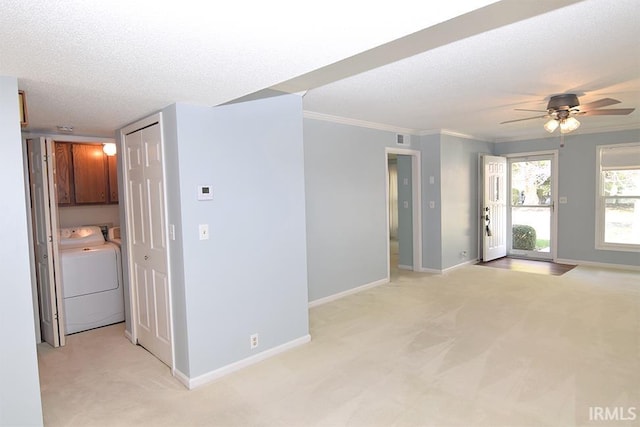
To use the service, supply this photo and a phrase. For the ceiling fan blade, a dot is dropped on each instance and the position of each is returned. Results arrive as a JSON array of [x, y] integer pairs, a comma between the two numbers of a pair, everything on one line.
[[608, 112], [604, 102], [528, 118], [535, 111]]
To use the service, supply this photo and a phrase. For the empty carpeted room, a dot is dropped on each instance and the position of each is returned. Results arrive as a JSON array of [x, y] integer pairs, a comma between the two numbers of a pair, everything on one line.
[[336, 214]]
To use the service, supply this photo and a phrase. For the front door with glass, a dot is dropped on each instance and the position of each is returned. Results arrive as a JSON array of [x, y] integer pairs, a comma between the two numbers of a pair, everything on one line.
[[531, 213]]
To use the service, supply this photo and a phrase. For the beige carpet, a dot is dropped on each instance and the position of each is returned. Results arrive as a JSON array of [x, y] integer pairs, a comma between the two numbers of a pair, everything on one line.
[[474, 347]]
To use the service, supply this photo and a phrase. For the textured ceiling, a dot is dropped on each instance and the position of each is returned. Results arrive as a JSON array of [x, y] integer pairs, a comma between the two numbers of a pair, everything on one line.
[[591, 48], [99, 65]]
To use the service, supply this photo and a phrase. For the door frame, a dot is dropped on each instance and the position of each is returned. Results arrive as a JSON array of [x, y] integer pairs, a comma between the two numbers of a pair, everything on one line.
[[554, 154], [124, 190], [25, 153], [416, 200]]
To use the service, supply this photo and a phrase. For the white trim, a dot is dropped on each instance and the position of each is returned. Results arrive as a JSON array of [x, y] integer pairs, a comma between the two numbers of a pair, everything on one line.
[[449, 132], [183, 378], [348, 292], [358, 123], [138, 125], [203, 379], [431, 270], [600, 226], [60, 137], [462, 264], [405, 267], [555, 160], [598, 264], [446, 270], [128, 336]]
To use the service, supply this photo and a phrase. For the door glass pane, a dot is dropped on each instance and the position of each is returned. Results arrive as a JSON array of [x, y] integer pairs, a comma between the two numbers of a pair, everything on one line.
[[531, 205]]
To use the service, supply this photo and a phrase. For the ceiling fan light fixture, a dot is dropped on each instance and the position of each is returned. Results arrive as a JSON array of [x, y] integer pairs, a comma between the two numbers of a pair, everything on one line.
[[551, 125], [569, 125]]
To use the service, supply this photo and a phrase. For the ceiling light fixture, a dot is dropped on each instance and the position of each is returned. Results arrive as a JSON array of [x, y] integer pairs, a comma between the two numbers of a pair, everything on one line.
[[567, 124], [551, 125], [109, 149]]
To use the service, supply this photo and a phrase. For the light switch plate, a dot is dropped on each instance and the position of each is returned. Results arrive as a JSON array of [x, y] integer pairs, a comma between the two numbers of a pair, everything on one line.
[[563, 200], [203, 231]]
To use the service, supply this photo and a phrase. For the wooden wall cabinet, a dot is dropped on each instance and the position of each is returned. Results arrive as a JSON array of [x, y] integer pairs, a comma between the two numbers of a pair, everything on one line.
[[85, 175], [112, 163], [64, 184]]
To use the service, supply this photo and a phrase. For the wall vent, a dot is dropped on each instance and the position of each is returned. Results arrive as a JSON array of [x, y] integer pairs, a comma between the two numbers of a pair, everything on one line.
[[402, 139]]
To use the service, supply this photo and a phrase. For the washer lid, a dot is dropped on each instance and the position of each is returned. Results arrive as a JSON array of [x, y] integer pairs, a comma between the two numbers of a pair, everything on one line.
[[78, 237]]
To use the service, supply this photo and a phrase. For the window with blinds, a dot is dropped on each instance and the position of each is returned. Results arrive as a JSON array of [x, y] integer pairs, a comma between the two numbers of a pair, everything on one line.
[[618, 199]]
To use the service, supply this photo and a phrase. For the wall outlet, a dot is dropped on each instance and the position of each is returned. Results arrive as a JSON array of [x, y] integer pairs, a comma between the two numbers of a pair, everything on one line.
[[253, 341], [463, 254]]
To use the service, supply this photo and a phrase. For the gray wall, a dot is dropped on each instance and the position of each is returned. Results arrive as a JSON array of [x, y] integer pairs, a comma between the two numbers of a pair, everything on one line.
[[431, 217], [459, 163], [251, 276], [347, 234], [19, 382], [405, 214], [577, 181], [451, 226]]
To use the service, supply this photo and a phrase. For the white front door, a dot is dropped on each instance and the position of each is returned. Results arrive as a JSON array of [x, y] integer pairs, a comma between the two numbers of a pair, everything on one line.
[[143, 160], [41, 165], [494, 207]]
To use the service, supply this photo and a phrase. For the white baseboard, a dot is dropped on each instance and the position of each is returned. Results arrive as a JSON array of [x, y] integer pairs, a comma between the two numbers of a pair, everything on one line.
[[128, 335], [462, 264], [437, 271], [430, 270], [200, 380], [181, 377], [343, 294], [598, 264], [405, 267]]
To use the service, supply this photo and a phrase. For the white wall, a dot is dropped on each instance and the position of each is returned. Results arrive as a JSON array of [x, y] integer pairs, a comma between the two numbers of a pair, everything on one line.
[[71, 216], [19, 384]]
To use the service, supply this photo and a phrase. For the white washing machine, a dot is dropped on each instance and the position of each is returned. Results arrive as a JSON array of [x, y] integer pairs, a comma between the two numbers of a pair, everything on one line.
[[91, 279]]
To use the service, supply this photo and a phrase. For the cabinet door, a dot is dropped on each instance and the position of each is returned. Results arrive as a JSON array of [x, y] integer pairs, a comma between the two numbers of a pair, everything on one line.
[[64, 186], [89, 173], [113, 178]]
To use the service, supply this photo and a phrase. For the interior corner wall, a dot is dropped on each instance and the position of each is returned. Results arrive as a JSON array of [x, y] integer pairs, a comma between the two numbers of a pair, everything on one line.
[[451, 226], [577, 181], [431, 195], [459, 163], [250, 277], [176, 250], [20, 402], [347, 232]]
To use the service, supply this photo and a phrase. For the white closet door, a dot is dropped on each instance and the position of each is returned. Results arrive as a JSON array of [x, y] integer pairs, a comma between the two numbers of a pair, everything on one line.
[[41, 164], [147, 240]]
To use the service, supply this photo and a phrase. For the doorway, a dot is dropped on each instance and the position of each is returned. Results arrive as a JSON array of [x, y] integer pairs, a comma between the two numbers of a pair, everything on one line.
[[403, 202], [531, 216]]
